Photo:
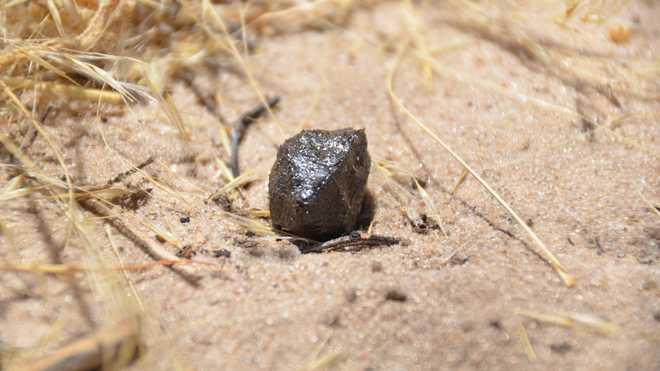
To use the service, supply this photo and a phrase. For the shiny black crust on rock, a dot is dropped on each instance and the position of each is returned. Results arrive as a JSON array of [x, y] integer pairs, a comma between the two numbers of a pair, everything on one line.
[[318, 183]]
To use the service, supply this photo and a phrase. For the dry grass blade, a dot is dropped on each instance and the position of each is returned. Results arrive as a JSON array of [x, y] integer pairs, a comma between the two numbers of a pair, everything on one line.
[[67, 91], [163, 234], [92, 34], [254, 226], [460, 181], [37, 59], [393, 169], [13, 189], [526, 344], [567, 278], [55, 14], [72, 268], [238, 182], [574, 320], [173, 115], [224, 139], [259, 213], [223, 171], [325, 361]]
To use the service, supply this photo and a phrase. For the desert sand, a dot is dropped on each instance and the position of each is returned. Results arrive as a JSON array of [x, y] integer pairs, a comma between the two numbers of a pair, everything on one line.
[[560, 119]]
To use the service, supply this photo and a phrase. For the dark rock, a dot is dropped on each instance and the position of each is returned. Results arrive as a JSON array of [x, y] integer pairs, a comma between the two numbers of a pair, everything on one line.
[[318, 183]]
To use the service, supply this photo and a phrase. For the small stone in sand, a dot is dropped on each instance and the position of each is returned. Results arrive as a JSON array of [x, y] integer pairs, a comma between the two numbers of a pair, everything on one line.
[[395, 295]]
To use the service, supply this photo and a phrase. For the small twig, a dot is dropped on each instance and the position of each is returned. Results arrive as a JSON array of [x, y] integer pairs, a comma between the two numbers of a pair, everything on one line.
[[352, 242], [241, 125]]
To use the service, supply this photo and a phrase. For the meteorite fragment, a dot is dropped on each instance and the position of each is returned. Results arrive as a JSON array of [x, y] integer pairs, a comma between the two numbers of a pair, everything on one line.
[[318, 183]]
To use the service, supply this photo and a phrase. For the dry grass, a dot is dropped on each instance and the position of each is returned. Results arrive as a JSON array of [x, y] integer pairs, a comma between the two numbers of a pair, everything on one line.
[[574, 320], [526, 344]]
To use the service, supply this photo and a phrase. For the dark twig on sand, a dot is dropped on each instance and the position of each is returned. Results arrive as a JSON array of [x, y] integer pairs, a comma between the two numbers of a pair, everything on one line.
[[353, 242], [241, 125]]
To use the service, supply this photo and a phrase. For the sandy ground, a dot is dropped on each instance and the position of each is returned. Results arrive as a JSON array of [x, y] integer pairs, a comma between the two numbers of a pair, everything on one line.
[[269, 307]]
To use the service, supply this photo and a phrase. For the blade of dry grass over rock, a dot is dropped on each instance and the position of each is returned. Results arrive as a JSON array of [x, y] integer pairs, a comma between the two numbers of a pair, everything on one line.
[[122, 204]]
